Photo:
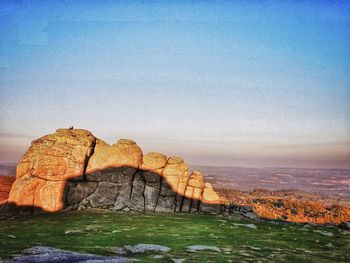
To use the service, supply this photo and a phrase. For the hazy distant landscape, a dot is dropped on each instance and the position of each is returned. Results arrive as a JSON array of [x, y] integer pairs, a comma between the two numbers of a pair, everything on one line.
[[8, 169], [324, 181]]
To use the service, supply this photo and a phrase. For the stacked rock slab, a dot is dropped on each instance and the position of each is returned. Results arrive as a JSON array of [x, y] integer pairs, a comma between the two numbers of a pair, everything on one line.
[[72, 169]]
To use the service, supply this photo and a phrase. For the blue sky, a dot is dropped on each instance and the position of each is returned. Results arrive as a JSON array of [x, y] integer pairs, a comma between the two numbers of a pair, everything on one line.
[[218, 82]]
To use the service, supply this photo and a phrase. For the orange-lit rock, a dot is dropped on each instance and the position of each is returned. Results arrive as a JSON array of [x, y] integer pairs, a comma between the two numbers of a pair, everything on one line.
[[154, 161], [23, 190], [58, 156], [196, 181], [123, 153], [209, 196], [49, 195], [47, 165], [72, 169], [175, 173], [96, 174], [5, 187], [189, 192]]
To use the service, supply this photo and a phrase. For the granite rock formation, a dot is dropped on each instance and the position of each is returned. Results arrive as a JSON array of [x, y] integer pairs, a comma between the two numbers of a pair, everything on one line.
[[72, 169]]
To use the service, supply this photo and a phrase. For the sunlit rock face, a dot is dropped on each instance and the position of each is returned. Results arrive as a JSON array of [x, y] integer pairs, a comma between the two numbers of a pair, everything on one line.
[[5, 187], [72, 169], [51, 160]]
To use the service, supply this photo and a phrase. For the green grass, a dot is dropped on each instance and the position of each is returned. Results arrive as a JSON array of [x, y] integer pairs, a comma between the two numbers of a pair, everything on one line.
[[269, 243]]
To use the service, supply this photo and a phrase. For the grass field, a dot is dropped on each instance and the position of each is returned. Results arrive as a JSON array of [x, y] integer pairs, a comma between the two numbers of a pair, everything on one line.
[[95, 232]]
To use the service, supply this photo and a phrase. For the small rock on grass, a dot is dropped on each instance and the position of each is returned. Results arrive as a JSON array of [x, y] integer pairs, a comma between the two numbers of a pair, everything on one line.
[[72, 231], [140, 248], [324, 233], [117, 250], [202, 248], [251, 226]]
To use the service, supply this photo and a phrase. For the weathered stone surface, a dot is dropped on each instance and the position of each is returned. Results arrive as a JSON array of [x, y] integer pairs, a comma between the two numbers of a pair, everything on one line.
[[5, 187], [105, 195], [166, 204], [152, 189], [186, 205], [54, 255], [141, 248], [23, 190], [71, 168], [118, 175], [50, 195], [196, 248], [59, 156], [209, 208], [153, 161], [151, 195], [47, 165], [137, 200], [124, 153], [77, 191], [209, 196]]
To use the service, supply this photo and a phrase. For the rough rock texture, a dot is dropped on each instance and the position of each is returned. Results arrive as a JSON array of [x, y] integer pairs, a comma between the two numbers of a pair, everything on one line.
[[55, 255], [51, 160], [5, 187], [71, 169]]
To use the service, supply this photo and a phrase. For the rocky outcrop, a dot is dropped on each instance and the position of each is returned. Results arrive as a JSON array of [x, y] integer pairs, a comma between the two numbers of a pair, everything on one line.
[[50, 162], [72, 169]]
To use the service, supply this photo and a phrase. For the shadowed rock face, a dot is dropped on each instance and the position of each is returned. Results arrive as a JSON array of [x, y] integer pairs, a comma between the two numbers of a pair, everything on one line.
[[72, 169]]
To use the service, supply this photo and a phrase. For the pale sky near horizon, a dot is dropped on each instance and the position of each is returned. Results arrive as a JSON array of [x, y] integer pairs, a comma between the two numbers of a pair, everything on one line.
[[242, 83]]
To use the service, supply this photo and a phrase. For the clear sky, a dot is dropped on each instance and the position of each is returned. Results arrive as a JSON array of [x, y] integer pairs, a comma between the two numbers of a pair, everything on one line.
[[249, 83]]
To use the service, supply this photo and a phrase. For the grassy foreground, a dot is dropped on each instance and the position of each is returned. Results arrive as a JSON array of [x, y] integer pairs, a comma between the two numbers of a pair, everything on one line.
[[94, 232]]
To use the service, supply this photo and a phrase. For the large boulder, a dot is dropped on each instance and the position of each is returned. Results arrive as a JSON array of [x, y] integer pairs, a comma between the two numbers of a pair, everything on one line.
[[72, 169], [59, 156], [46, 166]]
